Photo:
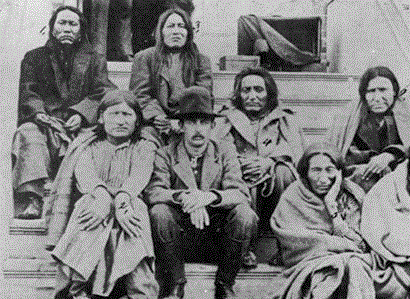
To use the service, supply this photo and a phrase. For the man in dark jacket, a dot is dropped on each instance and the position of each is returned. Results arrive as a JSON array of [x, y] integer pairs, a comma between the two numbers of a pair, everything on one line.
[[61, 85], [198, 198]]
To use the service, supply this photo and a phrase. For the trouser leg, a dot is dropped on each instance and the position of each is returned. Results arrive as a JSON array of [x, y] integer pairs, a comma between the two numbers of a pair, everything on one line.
[[141, 283], [168, 246], [69, 284], [35, 161], [241, 224]]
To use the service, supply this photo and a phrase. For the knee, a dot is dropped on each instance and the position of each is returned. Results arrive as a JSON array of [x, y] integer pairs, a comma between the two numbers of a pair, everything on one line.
[[163, 222], [29, 132], [242, 222]]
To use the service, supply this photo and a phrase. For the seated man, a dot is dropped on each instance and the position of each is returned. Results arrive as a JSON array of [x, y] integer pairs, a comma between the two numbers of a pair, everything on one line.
[[61, 85], [197, 194], [374, 135], [159, 74], [108, 236], [267, 137], [323, 236]]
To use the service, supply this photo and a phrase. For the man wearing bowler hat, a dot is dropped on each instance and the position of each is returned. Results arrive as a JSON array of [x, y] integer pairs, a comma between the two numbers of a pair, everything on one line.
[[198, 197]]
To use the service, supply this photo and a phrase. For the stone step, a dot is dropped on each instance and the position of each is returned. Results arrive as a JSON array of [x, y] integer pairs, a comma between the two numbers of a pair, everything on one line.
[[35, 279]]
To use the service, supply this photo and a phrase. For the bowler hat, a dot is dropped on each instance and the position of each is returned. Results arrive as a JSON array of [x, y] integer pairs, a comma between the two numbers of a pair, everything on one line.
[[195, 101]]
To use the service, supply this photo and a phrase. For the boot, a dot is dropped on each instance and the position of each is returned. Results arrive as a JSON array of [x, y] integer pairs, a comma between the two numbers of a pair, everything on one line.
[[34, 207], [178, 291], [223, 291], [170, 270], [229, 266]]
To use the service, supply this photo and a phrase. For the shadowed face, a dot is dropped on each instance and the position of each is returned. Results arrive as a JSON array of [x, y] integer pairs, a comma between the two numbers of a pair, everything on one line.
[[321, 174], [174, 31], [379, 94], [253, 93], [67, 27], [119, 122]]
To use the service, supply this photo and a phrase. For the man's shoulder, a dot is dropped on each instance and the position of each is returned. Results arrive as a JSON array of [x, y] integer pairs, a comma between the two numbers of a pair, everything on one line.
[[149, 52], [223, 147], [37, 52]]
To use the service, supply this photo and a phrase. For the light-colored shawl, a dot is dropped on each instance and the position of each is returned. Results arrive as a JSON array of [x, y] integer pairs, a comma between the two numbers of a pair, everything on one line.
[[386, 216]]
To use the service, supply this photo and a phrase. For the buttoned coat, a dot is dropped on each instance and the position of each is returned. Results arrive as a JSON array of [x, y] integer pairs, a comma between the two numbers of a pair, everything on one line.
[[43, 89], [153, 89], [221, 173]]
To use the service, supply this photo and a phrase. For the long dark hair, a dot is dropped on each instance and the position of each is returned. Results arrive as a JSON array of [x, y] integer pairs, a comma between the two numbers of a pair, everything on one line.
[[83, 21], [189, 54], [115, 97], [271, 88], [315, 149], [371, 73]]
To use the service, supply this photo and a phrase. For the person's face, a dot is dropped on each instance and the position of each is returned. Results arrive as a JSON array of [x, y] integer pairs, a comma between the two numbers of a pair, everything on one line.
[[67, 27], [174, 31], [321, 174], [119, 122], [197, 131], [253, 93], [380, 94]]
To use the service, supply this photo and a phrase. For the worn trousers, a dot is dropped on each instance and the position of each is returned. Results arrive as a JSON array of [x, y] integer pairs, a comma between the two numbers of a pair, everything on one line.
[[174, 235]]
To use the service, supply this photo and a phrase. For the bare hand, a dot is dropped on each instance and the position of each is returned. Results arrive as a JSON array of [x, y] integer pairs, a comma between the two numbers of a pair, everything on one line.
[[126, 215], [377, 165], [334, 190], [91, 217], [200, 218], [73, 123], [42, 118], [255, 167], [195, 199], [162, 123]]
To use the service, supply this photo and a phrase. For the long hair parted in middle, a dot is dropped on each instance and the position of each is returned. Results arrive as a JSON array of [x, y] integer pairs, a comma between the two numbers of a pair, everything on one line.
[[115, 97], [320, 148], [271, 88], [189, 52], [373, 72]]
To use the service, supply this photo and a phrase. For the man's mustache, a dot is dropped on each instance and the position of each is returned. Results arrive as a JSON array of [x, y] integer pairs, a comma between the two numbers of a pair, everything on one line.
[[198, 135]]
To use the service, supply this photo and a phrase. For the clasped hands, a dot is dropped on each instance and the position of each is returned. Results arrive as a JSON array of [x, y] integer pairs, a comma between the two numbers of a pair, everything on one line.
[[254, 167], [100, 210], [72, 124], [194, 202]]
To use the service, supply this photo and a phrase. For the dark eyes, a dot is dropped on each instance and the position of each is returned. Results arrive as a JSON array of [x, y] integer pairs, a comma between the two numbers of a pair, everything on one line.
[[71, 23], [256, 88], [374, 89]]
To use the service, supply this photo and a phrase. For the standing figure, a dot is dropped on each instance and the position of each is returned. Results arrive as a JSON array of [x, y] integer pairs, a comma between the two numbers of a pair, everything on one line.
[[198, 201], [267, 138], [161, 73], [374, 135], [319, 223], [61, 85], [107, 240]]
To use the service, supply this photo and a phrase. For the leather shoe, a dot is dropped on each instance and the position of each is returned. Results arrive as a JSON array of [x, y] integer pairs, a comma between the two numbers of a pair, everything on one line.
[[33, 210], [223, 291], [249, 261], [178, 292]]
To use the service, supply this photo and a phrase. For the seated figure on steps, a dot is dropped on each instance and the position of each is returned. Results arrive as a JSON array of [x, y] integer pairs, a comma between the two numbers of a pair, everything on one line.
[[107, 241], [268, 140], [198, 197], [61, 85]]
